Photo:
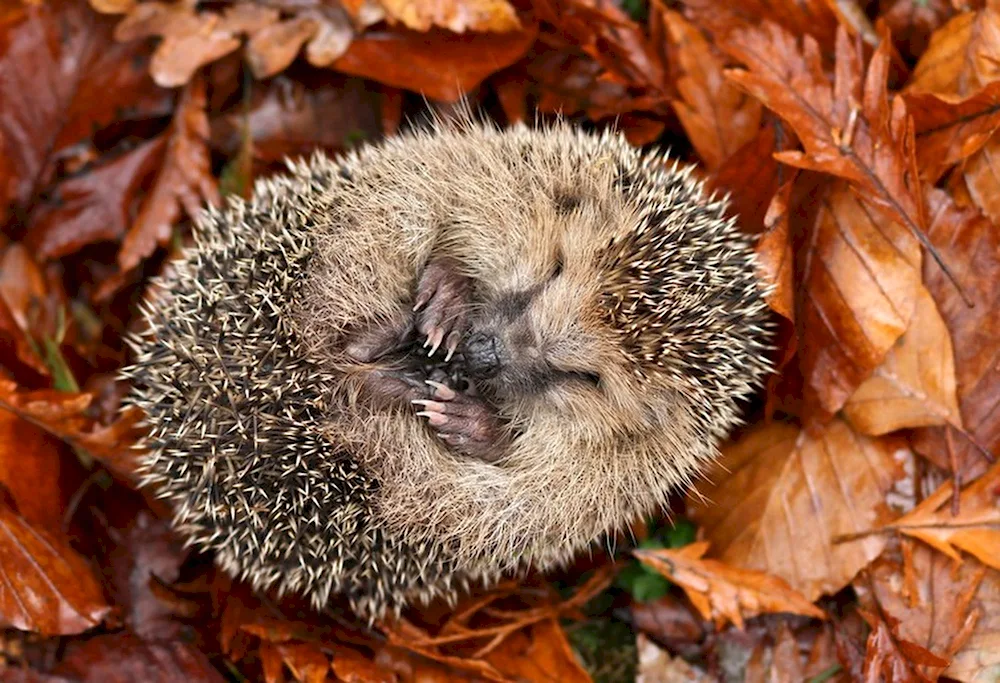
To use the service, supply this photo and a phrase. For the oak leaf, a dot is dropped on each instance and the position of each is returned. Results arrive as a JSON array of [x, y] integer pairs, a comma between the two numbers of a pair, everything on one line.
[[718, 117], [780, 496], [184, 182], [723, 593], [915, 384]]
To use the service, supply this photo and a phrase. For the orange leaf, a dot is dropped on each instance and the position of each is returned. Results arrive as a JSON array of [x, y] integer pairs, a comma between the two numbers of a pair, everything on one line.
[[718, 117], [46, 586], [858, 289], [976, 528], [437, 64], [915, 384], [892, 658], [724, 593], [780, 496], [963, 56], [306, 661], [540, 653], [979, 658], [968, 238], [184, 181], [456, 15]]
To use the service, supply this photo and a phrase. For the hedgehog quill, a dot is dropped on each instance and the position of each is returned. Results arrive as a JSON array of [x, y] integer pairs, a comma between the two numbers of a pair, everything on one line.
[[449, 357]]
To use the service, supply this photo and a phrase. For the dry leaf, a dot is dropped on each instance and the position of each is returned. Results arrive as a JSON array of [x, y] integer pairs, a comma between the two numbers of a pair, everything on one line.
[[963, 56], [184, 182], [656, 665], [723, 593], [717, 116], [890, 657], [915, 385], [967, 238], [440, 66], [976, 528], [780, 496], [930, 598], [455, 15], [950, 129], [46, 586], [979, 660], [124, 658], [540, 653], [981, 173]]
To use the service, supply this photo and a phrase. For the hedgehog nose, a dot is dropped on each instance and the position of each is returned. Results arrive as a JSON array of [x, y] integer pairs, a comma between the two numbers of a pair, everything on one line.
[[482, 355]]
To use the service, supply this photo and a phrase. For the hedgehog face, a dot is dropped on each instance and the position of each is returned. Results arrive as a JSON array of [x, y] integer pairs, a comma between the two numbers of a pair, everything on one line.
[[525, 341]]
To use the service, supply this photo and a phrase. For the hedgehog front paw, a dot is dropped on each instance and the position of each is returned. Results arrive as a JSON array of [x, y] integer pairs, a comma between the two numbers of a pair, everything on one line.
[[464, 422], [442, 305]]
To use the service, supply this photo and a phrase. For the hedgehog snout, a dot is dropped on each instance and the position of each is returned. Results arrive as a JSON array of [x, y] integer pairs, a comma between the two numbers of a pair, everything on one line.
[[482, 355]]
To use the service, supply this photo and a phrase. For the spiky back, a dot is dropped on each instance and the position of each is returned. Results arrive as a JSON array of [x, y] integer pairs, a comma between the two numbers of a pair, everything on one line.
[[235, 408], [681, 287]]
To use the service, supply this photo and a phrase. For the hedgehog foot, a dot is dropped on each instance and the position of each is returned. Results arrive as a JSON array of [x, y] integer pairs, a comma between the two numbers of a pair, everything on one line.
[[463, 421], [442, 304]]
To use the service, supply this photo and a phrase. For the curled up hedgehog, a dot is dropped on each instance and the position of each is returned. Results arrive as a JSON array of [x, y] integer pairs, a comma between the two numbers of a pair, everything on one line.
[[452, 356]]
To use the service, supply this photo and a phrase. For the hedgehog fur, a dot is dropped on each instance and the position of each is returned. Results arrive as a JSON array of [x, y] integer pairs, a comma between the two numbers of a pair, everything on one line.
[[625, 322]]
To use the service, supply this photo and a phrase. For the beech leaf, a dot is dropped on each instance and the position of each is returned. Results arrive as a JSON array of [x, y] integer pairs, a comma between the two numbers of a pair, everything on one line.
[[723, 593]]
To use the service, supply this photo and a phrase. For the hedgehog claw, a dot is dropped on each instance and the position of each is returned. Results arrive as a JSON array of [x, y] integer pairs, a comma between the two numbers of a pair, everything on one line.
[[463, 422], [441, 303]]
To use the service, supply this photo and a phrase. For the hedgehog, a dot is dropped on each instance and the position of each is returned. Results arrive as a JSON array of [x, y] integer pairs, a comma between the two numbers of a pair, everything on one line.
[[460, 353]]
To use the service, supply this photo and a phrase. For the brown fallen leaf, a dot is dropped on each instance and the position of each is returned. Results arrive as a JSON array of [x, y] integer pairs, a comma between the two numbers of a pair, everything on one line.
[[32, 471], [439, 65], [65, 415], [978, 660], [912, 22], [455, 15], [950, 129], [755, 159], [185, 181], [540, 653], [858, 284], [88, 81], [849, 129], [813, 17], [982, 178], [963, 55], [774, 252], [96, 206], [724, 593], [125, 658], [915, 384], [718, 117], [46, 586], [891, 658], [929, 598], [656, 665], [780, 496], [975, 529], [969, 238], [306, 661]]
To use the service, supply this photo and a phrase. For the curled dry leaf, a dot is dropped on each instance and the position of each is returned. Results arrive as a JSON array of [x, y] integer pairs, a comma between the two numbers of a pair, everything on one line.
[[968, 238], [890, 657], [718, 117], [950, 129], [911, 22], [185, 181], [928, 596], [975, 529], [96, 206], [963, 55], [65, 416], [539, 653], [915, 384], [858, 290], [46, 586], [723, 593], [780, 496]]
